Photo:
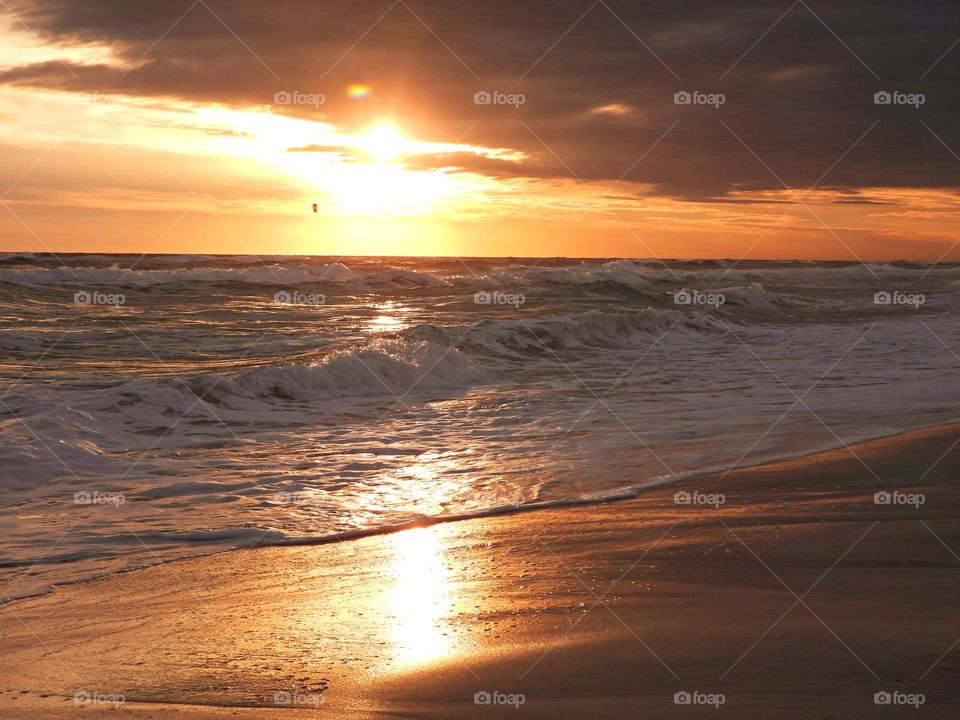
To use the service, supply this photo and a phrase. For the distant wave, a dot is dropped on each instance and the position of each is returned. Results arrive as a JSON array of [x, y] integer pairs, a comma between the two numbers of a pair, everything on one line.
[[626, 272], [594, 329], [754, 296], [626, 279], [119, 277]]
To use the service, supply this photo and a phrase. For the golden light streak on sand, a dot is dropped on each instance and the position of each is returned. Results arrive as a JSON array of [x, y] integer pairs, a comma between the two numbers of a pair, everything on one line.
[[418, 602]]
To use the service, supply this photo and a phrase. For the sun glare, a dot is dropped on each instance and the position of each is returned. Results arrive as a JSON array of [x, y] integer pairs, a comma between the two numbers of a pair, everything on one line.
[[383, 142], [359, 174]]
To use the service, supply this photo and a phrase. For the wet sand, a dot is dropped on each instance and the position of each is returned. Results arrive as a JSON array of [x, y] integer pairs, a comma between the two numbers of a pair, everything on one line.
[[798, 596]]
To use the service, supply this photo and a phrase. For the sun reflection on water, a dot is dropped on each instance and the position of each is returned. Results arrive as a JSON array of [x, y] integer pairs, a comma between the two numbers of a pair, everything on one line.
[[390, 318], [419, 599]]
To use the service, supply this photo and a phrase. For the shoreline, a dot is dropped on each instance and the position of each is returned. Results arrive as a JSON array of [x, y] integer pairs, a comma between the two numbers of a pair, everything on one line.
[[361, 533], [608, 610]]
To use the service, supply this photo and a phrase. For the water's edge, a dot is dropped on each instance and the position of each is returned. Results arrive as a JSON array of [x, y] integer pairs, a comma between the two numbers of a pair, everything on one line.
[[431, 521]]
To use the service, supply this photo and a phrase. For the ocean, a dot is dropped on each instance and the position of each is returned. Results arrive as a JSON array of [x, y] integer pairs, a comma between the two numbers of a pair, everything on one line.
[[163, 406]]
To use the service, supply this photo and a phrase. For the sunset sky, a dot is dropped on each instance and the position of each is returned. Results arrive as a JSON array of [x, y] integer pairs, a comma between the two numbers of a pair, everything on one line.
[[212, 126]]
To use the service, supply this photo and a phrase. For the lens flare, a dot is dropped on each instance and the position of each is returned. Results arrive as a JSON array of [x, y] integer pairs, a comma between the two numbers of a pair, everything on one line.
[[358, 91]]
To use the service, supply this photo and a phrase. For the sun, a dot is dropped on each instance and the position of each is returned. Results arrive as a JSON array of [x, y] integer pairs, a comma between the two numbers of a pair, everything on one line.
[[383, 142], [364, 173]]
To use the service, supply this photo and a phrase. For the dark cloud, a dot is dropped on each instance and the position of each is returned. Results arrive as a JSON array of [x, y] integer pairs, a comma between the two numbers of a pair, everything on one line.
[[338, 149], [343, 153], [212, 131], [482, 164], [455, 162], [799, 104]]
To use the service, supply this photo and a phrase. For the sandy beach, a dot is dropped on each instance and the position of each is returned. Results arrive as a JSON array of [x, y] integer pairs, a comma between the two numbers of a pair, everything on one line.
[[783, 590]]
